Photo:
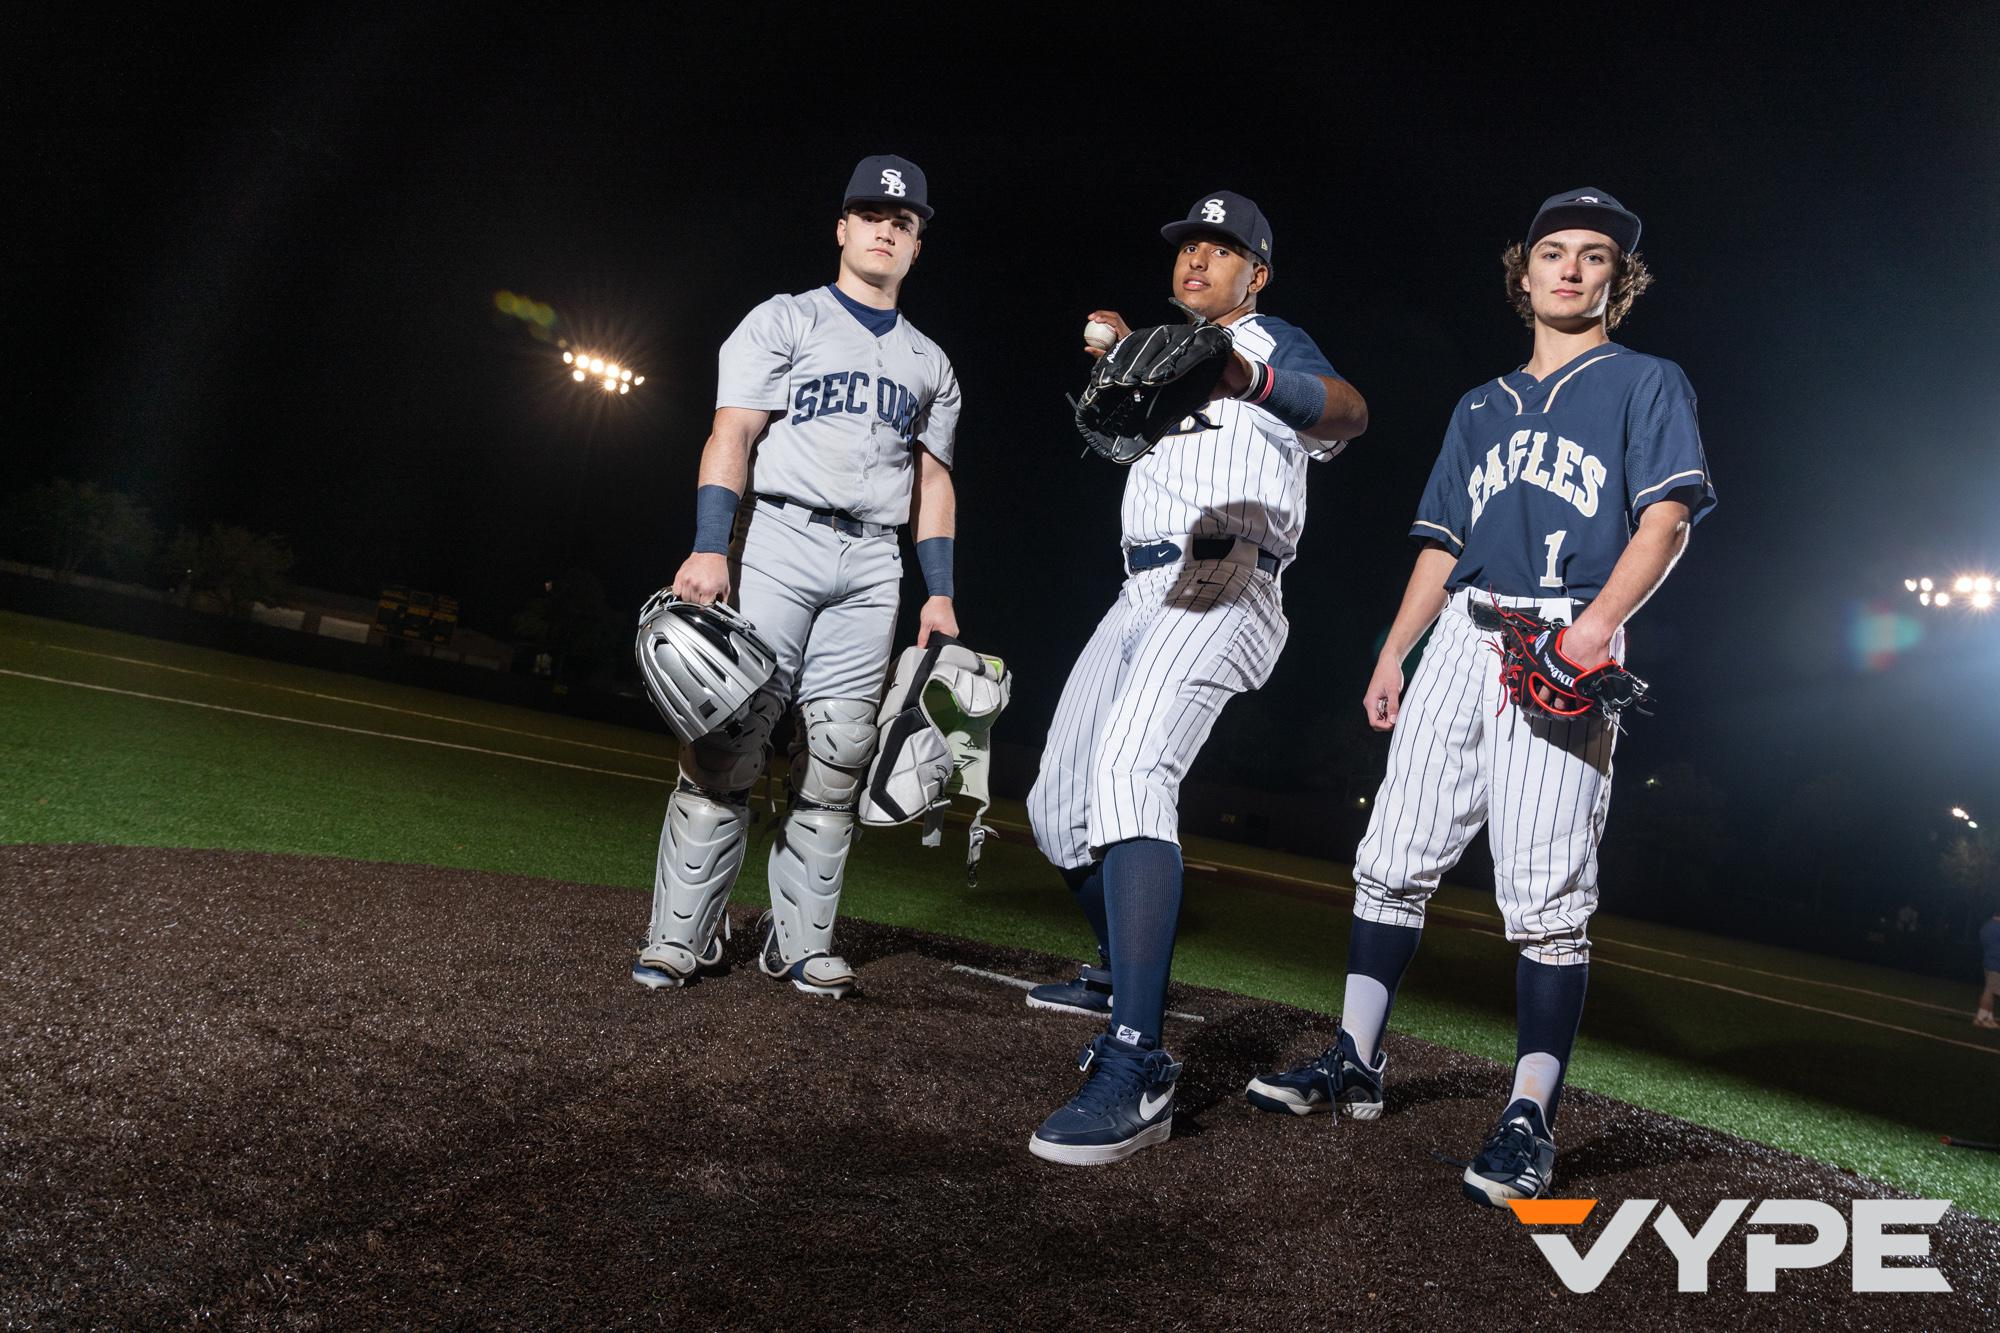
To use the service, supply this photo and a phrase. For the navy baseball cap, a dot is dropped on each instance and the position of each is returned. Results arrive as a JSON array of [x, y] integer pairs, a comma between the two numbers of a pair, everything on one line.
[[1226, 213], [888, 180], [1590, 209]]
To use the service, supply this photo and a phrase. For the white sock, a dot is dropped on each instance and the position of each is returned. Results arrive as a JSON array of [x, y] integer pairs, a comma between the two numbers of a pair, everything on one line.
[[1365, 1013], [1536, 1076]]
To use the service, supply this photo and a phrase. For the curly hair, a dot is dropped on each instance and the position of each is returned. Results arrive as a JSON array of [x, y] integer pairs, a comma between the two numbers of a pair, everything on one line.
[[1629, 277]]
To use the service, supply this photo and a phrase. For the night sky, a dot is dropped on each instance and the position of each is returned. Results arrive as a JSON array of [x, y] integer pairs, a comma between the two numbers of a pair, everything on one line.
[[254, 274]]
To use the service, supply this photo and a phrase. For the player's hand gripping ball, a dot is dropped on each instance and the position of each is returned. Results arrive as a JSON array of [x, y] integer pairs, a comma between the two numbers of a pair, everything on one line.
[[1544, 682], [1100, 335], [1148, 385]]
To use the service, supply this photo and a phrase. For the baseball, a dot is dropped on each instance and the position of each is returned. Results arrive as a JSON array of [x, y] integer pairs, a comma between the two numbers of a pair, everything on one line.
[[1099, 335]]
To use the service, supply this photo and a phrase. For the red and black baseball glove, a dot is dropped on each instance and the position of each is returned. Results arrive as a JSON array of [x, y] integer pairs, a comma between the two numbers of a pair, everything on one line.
[[1544, 681]]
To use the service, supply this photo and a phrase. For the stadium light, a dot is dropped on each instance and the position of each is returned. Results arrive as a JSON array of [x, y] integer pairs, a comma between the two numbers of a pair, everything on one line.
[[608, 373], [1972, 823], [1958, 812], [1975, 591]]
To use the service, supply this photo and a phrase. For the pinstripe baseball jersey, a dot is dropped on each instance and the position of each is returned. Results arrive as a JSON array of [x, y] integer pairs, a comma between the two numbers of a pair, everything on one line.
[[1540, 482], [1245, 478], [851, 390]]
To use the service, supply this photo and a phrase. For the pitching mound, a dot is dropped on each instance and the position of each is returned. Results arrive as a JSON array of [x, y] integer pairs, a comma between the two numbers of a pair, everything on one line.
[[268, 1090]]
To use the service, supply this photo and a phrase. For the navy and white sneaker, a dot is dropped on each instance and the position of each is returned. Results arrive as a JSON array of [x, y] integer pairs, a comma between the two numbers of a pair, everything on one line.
[[1126, 1104], [1518, 1160], [675, 965], [1089, 994], [1336, 1078], [815, 974]]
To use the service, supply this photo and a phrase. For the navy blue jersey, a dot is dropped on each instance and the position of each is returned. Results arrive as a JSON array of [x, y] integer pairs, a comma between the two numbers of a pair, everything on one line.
[[1541, 482]]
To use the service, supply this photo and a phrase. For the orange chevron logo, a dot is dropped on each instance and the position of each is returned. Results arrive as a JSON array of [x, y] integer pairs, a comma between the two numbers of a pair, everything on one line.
[[1551, 1212]]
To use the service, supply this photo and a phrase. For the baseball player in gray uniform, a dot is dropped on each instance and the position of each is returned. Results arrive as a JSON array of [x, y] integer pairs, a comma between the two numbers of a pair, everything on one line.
[[834, 426], [1211, 518]]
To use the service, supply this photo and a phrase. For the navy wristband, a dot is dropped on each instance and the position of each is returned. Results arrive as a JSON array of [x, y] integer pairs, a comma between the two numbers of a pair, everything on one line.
[[1292, 396], [714, 516], [934, 556]]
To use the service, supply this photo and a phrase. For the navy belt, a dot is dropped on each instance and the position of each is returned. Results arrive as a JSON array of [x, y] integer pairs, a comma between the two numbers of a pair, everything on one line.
[[837, 519], [1155, 554]]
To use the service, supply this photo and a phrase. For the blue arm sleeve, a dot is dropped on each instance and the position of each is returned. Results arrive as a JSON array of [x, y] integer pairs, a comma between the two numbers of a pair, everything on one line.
[[934, 557], [714, 517]]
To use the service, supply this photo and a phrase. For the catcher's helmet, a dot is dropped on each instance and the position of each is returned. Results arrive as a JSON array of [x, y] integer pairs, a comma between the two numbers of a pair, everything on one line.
[[702, 664]]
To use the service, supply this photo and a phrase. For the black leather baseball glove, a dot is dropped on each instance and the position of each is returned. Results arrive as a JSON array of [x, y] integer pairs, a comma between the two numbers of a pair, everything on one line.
[[1147, 385]]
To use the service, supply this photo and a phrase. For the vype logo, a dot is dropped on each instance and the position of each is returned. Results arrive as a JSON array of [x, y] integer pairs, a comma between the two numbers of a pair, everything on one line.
[[1765, 1253]]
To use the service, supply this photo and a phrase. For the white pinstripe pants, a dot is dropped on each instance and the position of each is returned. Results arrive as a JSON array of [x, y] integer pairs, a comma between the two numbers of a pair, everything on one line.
[[1176, 646], [1459, 759]]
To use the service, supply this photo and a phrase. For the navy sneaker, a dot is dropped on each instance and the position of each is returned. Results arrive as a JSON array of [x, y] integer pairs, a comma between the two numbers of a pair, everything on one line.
[[1335, 1078], [1126, 1104], [1518, 1160], [1089, 994]]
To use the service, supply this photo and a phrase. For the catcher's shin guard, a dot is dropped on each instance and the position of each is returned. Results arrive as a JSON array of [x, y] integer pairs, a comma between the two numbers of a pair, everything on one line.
[[702, 844], [701, 849], [809, 851]]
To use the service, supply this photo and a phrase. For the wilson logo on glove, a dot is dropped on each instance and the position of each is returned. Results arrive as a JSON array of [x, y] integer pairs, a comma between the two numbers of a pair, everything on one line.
[[1542, 681]]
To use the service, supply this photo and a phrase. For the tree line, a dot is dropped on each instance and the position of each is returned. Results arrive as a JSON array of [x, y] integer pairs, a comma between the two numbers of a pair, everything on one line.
[[77, 528]]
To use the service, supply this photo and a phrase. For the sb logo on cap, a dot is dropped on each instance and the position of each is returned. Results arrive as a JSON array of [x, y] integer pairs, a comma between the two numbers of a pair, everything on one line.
[[892, 182], [1213, 211]]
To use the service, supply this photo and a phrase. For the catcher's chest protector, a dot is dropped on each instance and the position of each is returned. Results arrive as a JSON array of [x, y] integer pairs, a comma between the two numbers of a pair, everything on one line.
[[934, 741]]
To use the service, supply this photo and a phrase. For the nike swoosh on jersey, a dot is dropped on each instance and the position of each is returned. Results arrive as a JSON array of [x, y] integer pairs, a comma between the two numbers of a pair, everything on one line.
[[1149, 1105], [1476, 406]]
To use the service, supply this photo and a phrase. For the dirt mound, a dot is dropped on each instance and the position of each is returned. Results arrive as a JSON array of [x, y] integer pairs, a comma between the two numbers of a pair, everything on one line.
[[296, 1092]]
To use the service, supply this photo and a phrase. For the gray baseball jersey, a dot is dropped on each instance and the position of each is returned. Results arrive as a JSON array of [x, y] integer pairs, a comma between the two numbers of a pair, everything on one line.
[[847, 403]]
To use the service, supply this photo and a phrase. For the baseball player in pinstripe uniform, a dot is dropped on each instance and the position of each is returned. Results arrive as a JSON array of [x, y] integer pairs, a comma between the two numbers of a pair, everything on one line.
[[834, 425], [1211, 518], [1567, 487]]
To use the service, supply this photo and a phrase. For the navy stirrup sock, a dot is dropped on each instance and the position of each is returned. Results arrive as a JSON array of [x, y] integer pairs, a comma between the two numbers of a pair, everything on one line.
[[1548, 1003], [1377, 957], [1142, 908]]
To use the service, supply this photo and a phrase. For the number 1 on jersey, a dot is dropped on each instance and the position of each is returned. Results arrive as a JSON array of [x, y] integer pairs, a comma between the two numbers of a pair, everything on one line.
[[1554, 542]]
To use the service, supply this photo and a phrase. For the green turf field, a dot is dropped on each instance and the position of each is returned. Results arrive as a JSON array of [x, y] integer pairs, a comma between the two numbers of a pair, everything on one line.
[[186, 747]]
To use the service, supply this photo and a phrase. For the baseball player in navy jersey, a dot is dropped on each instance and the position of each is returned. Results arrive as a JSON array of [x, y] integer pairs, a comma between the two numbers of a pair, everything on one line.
[[834, 426], [1211, 517], [1567, 487]]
